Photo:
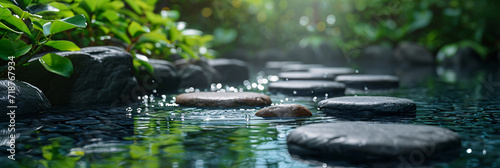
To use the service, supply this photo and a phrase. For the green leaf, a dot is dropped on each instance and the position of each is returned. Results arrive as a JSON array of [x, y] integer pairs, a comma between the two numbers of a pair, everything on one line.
[[17, 23], [57, 64], [224, 36], [63, 45], [188, 50], [135, 29], [172, 14], [421, 19], [13, 48], [133, 4], [14, 8], [143, 61], [64, 24], [3, 26], [120, 35], [39, 8], [111, 15], [153, 37]]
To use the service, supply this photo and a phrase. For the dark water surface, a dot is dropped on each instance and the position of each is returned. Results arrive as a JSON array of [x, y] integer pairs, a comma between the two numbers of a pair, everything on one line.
[[157, 133]]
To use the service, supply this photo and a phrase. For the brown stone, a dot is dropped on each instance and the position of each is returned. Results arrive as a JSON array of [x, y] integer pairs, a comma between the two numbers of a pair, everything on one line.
[[223, 99], [284, 111]]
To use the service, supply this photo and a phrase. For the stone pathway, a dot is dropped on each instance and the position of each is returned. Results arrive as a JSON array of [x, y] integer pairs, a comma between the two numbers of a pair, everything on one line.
[[308, 88], [223, 99], [369, 82]]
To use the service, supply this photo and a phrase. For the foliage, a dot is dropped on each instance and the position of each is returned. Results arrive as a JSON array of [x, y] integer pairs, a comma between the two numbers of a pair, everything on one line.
[[23, 33], [133, 25], [348, 24]]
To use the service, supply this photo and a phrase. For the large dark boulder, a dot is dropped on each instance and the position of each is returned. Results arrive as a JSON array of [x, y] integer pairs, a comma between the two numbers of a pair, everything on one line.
[[376, 59], [164, 80], [28, 99], [231, 71], [196, 73], [100, 75], [410, 54]]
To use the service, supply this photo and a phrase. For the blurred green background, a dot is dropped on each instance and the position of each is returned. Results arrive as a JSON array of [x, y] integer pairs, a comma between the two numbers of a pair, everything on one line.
[[441, 26]]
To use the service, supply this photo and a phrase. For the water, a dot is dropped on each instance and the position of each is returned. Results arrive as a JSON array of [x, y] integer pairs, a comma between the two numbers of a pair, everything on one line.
[[158, 133]]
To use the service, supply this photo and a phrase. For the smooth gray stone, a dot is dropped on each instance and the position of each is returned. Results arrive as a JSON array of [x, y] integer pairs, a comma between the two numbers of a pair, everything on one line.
[[28, 98], [284, 111], [367, 82], [100, 75], [299, 67], [197, 73], [370, 104], [231, 71], [332, 70], [277, 65], [223, 99], [306, 76], [363, 142], [308, 88]]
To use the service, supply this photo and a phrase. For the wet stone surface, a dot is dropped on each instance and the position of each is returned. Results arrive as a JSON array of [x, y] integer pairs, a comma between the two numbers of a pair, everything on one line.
[[299, 67], [367, 82], [308, 88], [306, 76], [332, 70], [223, 99], [284, 111], [375, 145], [379, 105]]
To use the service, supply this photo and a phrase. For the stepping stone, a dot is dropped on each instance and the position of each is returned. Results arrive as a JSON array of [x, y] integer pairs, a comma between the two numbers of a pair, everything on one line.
[[223, 99], [284, 111], [308, 88], [277, 65], [299, 67], [368, 104], [332, 70], [305, 76], [363, 142], [366, 82]]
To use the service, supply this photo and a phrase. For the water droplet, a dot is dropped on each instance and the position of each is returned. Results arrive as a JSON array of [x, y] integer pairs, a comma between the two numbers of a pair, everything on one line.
[[286, 99], [469, 150], [366, 88], [153, 81], [357, 71], [484, 151], [294, 92], [154, 91], [315, 99], [129, 109], [139, 110], [324, 165], [219, 85]]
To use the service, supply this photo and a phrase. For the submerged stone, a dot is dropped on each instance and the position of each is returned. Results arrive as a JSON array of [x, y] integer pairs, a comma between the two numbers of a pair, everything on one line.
[[367, 82], [223, 99], [364, 143], [308, 88], [371, 104], [284, 111], [230, 70], [26, 98]]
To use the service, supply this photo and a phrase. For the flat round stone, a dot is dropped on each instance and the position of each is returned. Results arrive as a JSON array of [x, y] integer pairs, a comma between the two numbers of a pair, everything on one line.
[[223, 99], [366, 82], [284, 111], [299, 67], [306, 76], [362, 142], [308, 88], [371, 104], [277, 65], [332, 70]]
